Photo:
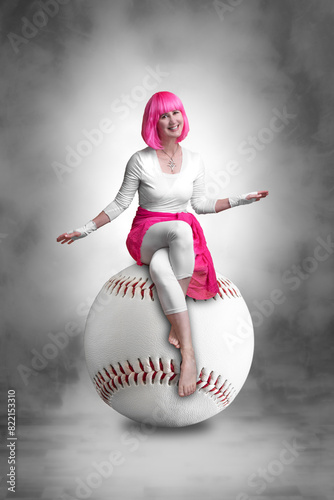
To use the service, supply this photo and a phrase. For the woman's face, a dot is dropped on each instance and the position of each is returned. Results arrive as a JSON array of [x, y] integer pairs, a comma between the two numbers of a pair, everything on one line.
[[170, 125]]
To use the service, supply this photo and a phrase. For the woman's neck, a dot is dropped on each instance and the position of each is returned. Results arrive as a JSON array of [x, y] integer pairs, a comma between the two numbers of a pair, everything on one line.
[[170, 147]]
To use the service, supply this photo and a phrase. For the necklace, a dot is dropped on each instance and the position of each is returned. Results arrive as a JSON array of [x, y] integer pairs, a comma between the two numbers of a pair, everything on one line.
[[171, 164]]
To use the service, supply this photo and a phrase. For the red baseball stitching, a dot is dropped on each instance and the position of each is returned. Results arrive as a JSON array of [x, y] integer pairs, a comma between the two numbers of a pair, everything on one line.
[[127, 286], [108, 381], [227, 289]]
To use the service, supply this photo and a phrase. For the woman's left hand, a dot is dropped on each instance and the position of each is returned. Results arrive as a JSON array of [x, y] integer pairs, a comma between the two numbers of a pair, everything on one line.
[[257, 195]]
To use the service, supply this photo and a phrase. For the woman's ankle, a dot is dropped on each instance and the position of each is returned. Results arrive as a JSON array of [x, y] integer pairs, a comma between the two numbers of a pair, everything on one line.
[[187, 350]]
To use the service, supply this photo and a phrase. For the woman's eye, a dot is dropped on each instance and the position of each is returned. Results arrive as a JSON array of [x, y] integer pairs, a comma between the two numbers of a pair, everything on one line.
[[176, 112]]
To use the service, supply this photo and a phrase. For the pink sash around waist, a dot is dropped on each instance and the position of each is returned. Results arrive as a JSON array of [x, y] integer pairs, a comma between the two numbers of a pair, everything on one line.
[[203, 284]]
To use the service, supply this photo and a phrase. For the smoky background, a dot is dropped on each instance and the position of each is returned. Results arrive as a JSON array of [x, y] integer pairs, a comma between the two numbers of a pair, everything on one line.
[[256, 80]]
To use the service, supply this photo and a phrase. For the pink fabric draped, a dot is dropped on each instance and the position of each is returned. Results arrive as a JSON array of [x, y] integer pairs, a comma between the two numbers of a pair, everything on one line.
[[203, 284]]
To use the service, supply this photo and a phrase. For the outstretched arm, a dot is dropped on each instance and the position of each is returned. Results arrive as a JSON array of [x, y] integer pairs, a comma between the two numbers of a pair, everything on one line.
[[123, 199], [204, 205], [242, 199], [81, 232]]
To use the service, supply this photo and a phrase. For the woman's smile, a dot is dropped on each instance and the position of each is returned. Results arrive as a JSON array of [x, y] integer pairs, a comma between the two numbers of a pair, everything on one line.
[[170, 125]]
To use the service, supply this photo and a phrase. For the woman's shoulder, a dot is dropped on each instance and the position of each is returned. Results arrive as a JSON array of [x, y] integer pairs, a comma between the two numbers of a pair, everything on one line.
[[137, 159], [143, 153]]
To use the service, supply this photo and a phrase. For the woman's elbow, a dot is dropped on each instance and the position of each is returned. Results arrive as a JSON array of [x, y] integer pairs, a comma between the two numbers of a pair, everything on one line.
[[199, 209]]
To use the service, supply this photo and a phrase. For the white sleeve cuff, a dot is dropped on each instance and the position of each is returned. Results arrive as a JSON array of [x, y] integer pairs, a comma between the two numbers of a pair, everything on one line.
[[241, 199]]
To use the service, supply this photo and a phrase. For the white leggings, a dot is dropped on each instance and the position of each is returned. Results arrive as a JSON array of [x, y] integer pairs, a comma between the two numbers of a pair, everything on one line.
[[168, 249]]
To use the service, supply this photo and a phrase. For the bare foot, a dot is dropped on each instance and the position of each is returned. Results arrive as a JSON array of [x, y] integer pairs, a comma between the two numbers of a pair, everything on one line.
[[187, 382], [173, 338]]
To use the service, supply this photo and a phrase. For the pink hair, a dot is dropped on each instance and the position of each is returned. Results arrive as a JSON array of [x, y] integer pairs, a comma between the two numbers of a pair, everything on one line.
[[160, 103]]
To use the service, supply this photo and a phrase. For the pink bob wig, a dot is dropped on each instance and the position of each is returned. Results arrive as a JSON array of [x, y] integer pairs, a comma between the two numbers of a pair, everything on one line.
[[160, 103]]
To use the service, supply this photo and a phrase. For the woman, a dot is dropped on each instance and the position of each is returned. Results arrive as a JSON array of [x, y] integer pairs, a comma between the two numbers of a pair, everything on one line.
[[164, 235]]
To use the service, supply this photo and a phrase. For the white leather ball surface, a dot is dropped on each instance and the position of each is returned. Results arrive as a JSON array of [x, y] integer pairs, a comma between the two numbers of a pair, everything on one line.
[[135, 369]]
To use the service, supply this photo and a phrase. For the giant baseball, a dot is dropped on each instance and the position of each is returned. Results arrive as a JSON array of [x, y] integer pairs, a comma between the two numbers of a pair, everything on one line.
[[134, 368]]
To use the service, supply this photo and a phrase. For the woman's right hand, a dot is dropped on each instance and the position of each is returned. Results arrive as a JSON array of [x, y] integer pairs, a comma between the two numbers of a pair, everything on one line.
[[67, 237], [80, 232]]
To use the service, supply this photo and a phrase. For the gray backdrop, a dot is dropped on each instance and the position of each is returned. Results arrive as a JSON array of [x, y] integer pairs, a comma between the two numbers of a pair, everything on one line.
[[256, 79]]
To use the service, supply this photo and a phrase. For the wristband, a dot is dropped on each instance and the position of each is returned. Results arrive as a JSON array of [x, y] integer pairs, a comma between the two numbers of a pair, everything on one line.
[[84, 230], [241, 199]]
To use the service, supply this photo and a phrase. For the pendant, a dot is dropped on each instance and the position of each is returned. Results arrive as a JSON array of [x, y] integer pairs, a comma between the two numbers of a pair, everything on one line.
[[171, 164]]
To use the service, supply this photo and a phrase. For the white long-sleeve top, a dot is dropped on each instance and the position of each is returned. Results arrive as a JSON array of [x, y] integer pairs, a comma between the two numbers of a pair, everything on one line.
[[159, 191]]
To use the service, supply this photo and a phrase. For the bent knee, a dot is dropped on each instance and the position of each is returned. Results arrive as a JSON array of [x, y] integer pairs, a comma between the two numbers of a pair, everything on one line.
[[181, 231]]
